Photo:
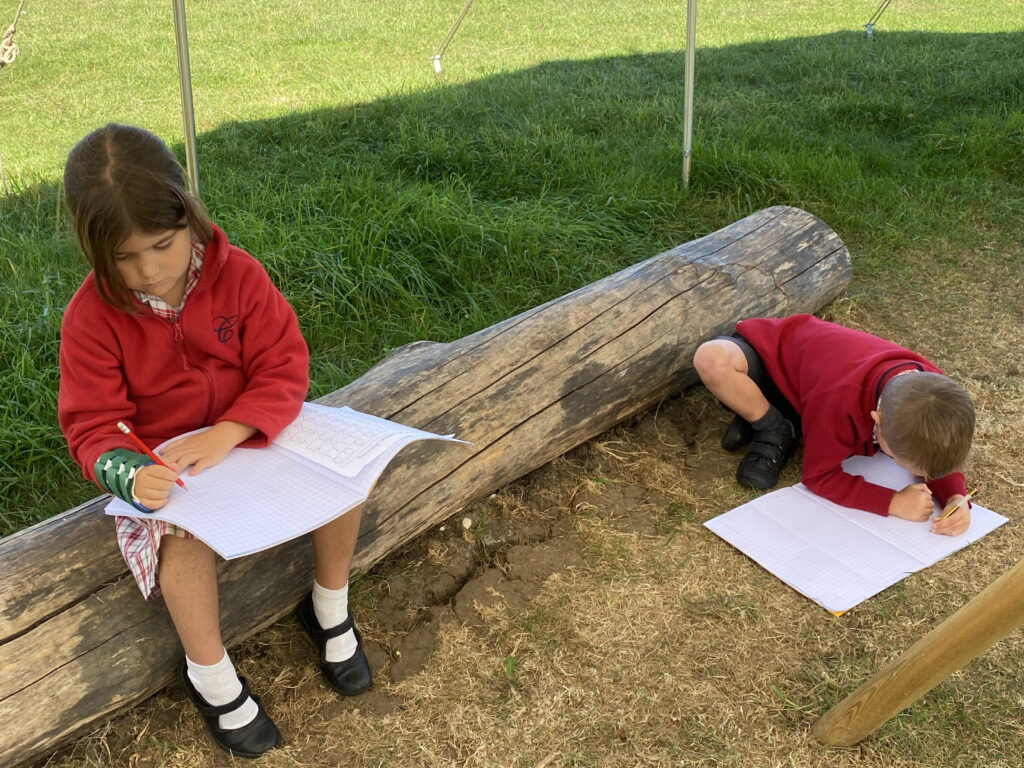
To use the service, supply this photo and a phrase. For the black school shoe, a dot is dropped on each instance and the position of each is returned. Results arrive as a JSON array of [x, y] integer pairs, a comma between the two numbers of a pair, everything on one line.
[[769, 451], [252, 740], [737, 434], [350, 677]]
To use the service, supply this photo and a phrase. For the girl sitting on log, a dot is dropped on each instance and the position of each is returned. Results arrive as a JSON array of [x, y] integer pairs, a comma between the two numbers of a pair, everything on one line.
[[175, 329]]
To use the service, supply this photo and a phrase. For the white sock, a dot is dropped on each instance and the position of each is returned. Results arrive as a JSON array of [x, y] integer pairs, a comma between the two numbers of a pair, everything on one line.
[[331, 608], [219, 684]]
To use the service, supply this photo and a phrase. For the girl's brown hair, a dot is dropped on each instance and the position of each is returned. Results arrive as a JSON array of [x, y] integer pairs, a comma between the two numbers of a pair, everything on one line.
[[118, 180], [928, 421]]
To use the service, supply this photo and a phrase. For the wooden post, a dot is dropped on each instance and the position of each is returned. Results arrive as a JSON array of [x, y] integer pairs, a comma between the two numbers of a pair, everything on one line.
[[76, 640], [989, 617]]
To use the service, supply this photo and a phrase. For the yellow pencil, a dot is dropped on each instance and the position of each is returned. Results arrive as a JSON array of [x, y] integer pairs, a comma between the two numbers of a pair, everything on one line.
[[956, 507]]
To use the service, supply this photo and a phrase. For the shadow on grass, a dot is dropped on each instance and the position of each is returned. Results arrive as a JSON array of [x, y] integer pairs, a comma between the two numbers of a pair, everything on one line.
[[430, 215]]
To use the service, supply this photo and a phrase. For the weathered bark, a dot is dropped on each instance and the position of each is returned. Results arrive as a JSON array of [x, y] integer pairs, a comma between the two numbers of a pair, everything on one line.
[[78, 642]]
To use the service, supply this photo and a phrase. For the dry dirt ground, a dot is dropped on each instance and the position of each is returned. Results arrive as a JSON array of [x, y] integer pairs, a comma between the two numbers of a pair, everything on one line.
[[583, 616]]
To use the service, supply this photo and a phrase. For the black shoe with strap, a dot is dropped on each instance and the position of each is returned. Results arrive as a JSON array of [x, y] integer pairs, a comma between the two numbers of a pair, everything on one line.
[[737, 434], [251, 740], [350, 677], [769, 451]]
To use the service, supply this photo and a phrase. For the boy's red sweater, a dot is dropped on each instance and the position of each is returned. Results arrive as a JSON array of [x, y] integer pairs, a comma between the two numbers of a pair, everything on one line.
[[235, 354], [833, 376]]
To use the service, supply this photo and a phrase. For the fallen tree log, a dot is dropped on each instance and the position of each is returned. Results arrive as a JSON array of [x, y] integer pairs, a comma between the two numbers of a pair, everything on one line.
[[78, 642]]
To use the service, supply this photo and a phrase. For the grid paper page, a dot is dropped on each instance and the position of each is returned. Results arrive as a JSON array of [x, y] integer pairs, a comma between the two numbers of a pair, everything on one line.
[[250, 502], [344, 440], [837, 556], [833, 583], [256, 498], [915, 539]]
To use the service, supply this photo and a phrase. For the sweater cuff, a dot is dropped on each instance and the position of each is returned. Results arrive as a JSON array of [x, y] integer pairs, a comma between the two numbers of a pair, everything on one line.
[[945, 487], [875, 499]]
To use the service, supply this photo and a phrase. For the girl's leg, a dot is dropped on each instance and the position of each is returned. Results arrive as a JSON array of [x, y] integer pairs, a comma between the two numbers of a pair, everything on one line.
[[188, 580], [324, 612], [333, 547]]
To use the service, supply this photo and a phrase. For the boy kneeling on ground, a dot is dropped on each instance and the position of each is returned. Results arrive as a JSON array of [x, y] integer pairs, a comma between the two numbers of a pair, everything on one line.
[[848, 393]]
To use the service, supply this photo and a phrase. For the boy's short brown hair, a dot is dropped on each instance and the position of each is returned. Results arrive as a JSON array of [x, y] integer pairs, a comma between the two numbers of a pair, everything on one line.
[[928, 422]]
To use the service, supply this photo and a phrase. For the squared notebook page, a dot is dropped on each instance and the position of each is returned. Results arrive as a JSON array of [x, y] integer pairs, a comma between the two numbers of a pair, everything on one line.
[[343, 440], [837, 556], [913, 538], [253, 500], [825, 558], [256, 498]]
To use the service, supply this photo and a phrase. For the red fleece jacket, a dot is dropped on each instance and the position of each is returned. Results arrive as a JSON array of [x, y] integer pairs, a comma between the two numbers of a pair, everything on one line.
[[235, 354], [833, 377]]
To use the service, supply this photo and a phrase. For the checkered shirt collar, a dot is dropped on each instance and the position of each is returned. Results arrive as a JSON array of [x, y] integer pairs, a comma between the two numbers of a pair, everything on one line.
[[160, 307]]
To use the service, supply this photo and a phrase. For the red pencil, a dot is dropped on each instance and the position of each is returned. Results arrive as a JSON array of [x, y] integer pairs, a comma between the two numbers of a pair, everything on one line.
[[142, 447]]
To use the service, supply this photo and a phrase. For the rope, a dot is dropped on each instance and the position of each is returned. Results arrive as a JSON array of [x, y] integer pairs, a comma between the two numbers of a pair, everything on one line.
[[8, 48], [436, 58], [870, 26]]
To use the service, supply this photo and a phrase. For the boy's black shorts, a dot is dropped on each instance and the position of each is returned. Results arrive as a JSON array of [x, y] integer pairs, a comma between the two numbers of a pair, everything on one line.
[[757, 372]]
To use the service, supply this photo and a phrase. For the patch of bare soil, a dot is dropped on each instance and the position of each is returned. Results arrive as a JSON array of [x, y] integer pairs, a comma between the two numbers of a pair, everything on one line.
[[583, 616]]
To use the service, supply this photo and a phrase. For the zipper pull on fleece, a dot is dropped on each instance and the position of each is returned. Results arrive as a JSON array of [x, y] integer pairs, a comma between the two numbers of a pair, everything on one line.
[[178, 335]]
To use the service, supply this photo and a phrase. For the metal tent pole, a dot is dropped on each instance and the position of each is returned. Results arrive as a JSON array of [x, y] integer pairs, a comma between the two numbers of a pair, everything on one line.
[[185, 79], [691, 38]]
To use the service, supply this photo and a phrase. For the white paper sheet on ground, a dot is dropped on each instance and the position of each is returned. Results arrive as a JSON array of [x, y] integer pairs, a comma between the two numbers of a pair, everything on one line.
[[837, 556], [320, 466]]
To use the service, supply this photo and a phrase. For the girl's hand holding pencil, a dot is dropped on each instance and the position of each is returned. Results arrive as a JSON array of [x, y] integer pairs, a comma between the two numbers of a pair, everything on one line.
[[153, 485], [142, 447]]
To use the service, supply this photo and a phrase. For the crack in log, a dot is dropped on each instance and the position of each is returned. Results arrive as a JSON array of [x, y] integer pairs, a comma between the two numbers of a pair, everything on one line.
[[64, 607], [72, 659], [506, 376]]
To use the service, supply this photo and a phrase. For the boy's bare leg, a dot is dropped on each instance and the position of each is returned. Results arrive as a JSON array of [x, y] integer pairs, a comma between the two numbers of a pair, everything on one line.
[[188, 580], [333, 547], [722, 368]]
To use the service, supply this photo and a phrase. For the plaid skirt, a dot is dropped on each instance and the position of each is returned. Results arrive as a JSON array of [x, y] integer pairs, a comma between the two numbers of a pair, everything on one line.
[[139, 540]]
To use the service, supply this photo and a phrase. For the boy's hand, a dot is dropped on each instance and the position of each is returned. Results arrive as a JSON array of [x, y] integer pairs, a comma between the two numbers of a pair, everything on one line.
[[153, 484], [207, 448], [956, 523], [913, 503]]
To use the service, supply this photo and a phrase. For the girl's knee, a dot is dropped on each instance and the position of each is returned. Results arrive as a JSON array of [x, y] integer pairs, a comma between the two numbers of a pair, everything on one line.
[[177, 548]]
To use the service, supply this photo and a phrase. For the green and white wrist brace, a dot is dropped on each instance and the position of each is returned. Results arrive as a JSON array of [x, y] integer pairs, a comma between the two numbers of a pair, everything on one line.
[[115, 471]]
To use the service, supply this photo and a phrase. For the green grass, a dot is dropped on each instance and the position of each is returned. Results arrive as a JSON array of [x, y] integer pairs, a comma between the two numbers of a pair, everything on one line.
[[391, 205]]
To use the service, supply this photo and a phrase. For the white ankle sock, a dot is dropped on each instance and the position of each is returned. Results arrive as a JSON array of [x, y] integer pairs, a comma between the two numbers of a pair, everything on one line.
[[219, 684], [331, 608]]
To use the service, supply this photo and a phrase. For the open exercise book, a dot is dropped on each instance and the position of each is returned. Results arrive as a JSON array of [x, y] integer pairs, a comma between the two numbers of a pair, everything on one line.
[[320, 466], [835, 555]]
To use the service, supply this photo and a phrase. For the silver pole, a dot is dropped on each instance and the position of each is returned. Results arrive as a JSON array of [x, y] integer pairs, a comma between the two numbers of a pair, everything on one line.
[[691, 38], [185, 79]]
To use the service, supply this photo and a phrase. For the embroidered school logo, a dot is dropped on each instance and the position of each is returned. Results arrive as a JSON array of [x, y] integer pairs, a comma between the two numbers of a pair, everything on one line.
[[224, 327]]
